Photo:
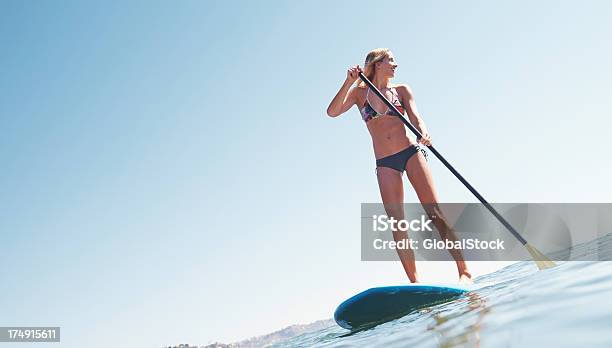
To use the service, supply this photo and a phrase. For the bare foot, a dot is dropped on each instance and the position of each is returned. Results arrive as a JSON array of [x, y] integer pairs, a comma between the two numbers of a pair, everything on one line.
[[465, 278]]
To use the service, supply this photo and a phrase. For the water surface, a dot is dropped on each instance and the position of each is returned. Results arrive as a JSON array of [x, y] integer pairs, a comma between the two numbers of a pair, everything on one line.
[[566, 306]]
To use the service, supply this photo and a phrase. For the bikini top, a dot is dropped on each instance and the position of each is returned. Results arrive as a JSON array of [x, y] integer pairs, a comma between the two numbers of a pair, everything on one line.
[[368, 113]]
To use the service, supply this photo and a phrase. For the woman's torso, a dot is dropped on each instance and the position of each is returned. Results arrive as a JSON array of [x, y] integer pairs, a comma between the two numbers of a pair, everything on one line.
[[387, 130]]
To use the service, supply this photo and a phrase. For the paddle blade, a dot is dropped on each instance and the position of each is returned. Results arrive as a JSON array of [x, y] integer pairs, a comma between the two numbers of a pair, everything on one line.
[[540, 259]]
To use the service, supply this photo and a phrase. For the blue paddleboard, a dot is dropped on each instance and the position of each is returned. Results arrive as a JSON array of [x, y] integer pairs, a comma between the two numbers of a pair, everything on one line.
[[378, 305]]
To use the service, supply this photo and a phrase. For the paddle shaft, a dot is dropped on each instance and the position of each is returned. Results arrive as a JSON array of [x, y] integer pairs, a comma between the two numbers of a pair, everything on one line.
[[444, 161]]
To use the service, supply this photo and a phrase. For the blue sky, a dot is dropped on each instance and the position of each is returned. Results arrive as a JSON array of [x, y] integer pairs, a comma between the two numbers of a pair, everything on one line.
[[169, 174]]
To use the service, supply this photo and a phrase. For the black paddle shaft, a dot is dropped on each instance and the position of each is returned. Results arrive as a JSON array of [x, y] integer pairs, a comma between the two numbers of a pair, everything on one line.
[[444, 161]]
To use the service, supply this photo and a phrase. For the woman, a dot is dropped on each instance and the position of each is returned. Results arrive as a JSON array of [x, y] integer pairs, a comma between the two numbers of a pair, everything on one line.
[[394, 151]]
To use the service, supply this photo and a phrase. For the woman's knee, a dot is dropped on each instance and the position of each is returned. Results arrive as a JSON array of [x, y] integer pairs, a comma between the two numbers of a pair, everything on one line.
[[437, 217], [395, 210]]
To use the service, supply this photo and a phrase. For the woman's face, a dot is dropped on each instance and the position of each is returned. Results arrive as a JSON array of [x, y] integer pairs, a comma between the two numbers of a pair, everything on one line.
[[387, 66]]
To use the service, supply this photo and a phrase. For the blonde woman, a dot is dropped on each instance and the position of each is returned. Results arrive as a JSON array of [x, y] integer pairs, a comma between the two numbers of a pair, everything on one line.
[[395, 152]]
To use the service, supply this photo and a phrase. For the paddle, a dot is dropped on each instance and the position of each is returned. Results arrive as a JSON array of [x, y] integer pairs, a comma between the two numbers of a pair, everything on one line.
[[540, 259]]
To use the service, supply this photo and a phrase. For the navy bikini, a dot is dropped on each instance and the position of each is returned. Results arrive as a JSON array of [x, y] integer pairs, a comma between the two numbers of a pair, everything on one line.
[[397, 160]]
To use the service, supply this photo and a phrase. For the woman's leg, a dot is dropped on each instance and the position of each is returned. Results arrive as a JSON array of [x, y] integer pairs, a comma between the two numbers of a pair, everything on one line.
[[420, 177], [392, 192]]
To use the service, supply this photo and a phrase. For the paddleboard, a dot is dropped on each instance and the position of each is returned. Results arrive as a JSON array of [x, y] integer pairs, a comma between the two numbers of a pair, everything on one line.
[[378, 305]]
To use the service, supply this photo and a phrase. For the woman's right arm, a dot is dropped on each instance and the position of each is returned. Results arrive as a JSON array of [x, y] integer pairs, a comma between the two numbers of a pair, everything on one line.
[[345, 98]]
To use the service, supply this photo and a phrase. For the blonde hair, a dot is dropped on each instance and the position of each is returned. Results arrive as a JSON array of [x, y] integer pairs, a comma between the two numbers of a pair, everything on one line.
[[373, 57]]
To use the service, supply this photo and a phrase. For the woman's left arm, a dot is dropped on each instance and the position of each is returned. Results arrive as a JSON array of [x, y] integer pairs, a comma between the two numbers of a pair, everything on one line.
[[407, 98]]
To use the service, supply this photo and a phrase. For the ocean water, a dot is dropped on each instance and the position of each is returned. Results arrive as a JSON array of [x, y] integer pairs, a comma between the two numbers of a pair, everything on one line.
[[566, 306]]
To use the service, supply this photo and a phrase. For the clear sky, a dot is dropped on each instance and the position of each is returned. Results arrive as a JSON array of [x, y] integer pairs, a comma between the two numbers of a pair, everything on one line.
[[169, 175]]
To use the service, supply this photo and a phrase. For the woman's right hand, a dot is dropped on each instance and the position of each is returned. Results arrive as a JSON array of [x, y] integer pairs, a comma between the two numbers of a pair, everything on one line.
[[352, 74], [345, 98]]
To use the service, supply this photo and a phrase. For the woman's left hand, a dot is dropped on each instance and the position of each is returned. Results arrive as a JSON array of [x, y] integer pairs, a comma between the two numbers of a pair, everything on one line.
[[425, 139]]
